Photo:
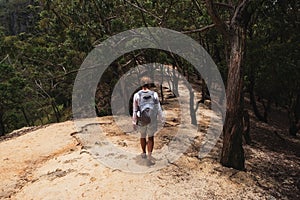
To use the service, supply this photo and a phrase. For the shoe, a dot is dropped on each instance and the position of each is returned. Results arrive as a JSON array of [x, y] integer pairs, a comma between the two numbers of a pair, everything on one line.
[[143, 155], [150, 157], [150, 162]]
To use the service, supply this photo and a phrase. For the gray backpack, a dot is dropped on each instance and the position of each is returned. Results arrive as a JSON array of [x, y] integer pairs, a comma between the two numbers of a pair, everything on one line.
[[147, 108]]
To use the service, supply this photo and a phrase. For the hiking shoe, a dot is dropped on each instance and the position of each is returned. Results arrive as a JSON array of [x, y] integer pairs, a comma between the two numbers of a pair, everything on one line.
[[150, 162], [150, 157], [143, 155]]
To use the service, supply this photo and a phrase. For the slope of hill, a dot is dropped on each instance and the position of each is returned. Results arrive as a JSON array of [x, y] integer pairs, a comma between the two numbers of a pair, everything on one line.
[[55, 162], [50, 163]]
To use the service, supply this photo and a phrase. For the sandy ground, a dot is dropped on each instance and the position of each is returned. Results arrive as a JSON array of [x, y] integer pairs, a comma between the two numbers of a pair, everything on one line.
[[55, 162], [49, 164]]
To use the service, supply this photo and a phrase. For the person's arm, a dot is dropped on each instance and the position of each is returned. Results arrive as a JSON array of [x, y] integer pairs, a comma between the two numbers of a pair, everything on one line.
[[135, 108]]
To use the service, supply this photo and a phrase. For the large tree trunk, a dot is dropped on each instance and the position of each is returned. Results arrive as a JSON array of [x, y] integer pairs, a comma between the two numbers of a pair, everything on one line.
[[233, 31], [232, 152]]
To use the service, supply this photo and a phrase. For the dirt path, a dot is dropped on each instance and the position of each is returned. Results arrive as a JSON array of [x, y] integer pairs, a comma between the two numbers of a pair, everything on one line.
[[51, 163], [47, 164], [20, 156]]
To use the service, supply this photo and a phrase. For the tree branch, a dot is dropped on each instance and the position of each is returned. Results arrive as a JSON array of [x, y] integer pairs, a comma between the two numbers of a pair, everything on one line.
[[110, 18], [230, 2], [199, 30], [134, 58], [102, 19], [142, 13], [6, 58], [142, 9], [59, 18], [195, 2], [161, 23], [220, 24], [240, 9], [224, 5]]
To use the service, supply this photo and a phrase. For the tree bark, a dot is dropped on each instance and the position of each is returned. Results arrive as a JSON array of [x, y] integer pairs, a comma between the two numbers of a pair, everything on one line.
[[192, 109], [25, 116], [205, 92], [56, 111], [233, 152], [246, 125], [259, 116], [2, 127], [175, 81], [267, 109], [294, 113], [162, 94]]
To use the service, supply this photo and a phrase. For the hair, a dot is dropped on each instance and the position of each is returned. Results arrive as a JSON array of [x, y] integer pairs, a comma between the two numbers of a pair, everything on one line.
[[146, 86], [145, 82]]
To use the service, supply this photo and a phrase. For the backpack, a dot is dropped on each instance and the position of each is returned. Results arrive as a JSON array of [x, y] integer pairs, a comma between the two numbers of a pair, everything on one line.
[[147, 108]]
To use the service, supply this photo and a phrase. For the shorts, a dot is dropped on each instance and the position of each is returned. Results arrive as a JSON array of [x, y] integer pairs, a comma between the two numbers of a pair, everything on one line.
[[148, 130]]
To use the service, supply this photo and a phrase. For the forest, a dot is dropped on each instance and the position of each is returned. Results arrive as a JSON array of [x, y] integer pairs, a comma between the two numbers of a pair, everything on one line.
[[255, 45]]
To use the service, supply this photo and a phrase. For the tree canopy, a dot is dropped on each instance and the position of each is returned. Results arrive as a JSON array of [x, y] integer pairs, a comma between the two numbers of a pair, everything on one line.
[[43, 43]]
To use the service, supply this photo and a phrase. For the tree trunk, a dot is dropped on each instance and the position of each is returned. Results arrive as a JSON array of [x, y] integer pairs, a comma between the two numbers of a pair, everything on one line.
[[162, 94], [246, 125], [55, 109], [232, 151], [175, 81], [294, 113], [161, 84], [205, 92], [192, 109], [124, 94], [25, 116], [267, 109], [259, 116], [2, 128]]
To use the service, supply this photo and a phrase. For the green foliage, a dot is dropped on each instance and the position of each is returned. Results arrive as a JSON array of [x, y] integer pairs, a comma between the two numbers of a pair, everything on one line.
[[40, 58], [273, 51], [11, 89]]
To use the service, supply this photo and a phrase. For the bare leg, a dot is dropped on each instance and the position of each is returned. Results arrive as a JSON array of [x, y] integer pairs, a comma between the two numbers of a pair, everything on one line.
[[150, 145], [143, 144]]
